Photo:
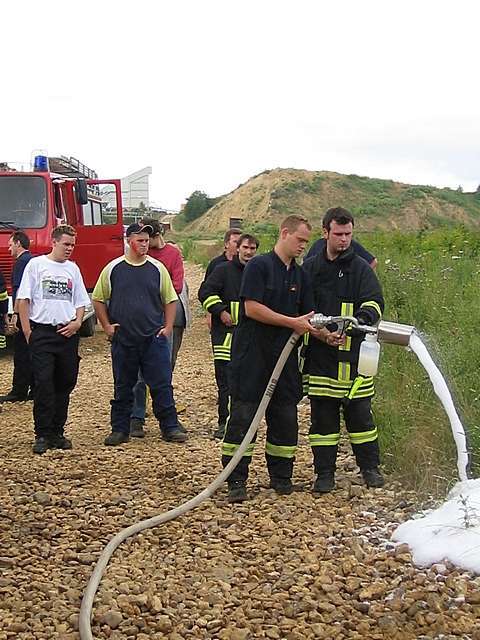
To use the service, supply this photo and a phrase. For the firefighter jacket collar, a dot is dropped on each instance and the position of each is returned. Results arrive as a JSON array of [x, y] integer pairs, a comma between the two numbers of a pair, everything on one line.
[[343, 258]]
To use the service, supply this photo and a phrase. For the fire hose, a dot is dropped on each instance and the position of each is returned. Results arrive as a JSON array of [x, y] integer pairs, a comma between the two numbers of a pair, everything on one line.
[[396, 334], [94, 582]]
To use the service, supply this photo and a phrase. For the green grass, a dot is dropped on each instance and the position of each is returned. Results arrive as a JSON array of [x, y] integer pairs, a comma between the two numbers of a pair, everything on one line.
[[431, 281]]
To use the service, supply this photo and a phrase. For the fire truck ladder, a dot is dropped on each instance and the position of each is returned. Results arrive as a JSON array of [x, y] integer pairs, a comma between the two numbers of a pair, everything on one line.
[[71, 167]]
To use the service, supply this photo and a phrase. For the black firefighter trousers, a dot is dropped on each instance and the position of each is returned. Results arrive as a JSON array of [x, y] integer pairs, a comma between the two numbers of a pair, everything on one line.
[[282, 437], [325, 432], [55, 370], [221, 378]]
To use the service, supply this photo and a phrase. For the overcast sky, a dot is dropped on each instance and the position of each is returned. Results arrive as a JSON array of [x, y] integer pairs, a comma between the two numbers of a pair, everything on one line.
[[211, 92]]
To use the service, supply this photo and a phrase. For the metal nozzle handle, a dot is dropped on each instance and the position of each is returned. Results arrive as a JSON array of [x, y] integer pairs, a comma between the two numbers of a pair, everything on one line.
[[319, 320]]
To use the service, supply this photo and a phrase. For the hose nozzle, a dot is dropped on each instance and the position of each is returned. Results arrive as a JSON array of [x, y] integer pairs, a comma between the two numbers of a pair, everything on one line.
[[389, 332], [318, 320]]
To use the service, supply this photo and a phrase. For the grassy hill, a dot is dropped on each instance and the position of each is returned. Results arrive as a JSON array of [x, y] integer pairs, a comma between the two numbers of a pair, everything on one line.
[[376, 204]]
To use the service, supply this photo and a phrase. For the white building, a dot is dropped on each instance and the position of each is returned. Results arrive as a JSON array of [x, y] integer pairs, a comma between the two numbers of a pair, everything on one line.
[[135, 189]]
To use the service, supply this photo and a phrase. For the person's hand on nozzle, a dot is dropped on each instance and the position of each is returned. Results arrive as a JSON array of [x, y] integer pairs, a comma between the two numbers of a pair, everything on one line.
[[301, 324], [335, 339]]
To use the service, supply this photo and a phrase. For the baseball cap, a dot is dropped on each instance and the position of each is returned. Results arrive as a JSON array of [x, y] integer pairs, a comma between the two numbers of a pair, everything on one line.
[[139, 228]]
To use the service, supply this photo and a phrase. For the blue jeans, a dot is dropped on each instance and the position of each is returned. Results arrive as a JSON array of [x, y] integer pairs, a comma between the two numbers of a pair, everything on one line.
[[152, 358], [140, 390]]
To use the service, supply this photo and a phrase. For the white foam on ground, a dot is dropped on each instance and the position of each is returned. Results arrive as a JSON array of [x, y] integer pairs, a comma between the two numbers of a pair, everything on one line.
[[450, 532]]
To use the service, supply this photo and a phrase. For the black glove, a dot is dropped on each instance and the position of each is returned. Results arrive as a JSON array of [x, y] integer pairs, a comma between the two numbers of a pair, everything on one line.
[[363, 317]]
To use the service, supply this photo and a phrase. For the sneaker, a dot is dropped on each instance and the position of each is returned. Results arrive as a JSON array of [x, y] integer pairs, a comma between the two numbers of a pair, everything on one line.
[[116, 438], [136, 428], [237, 492], [219, 432], [373, 478], [174, 435], [40, 445], [60, 442], [13, 397], [324, 483], [181, 427], [282, 486]]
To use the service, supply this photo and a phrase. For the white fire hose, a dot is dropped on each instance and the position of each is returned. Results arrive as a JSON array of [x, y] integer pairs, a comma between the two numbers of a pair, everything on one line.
[[93, 584]]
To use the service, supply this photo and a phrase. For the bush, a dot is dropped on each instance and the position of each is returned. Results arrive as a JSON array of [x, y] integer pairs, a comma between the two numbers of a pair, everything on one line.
[[197, 204]]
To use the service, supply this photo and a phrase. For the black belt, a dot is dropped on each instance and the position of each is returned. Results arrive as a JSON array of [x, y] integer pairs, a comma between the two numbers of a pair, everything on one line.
[[54, 327]]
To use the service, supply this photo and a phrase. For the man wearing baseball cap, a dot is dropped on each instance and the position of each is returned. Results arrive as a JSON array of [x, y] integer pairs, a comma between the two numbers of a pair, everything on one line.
[[138, 321]]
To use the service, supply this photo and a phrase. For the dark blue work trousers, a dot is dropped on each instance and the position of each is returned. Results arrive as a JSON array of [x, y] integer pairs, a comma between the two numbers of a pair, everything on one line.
[[150, 356]]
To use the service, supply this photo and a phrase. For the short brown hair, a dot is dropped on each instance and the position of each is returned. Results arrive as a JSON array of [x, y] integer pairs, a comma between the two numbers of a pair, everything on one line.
[[251, 239], [339, 214], [293, 222], [233, 231], [22, 238], [63, 229]]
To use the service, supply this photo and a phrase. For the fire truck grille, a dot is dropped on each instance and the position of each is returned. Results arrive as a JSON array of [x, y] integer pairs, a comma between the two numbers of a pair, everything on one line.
[[6, 266]]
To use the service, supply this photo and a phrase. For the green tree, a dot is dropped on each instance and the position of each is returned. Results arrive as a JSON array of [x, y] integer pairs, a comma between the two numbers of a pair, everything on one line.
[[196, 205]]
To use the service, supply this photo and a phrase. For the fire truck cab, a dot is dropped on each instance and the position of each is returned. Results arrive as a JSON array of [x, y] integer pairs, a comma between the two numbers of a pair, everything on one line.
[[62, 191]]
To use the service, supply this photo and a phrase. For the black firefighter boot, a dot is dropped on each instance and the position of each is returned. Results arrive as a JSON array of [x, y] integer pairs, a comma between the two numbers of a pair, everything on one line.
[[237, 491], [373, 478], [325, 482]]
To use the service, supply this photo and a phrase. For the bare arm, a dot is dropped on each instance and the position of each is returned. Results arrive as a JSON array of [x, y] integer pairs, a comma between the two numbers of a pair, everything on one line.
[[102, 315], [24, 311], [170, 311], [261, 313]]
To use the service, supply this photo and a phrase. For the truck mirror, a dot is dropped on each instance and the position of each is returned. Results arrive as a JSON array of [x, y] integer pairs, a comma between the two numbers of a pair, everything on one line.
[[81, 191]]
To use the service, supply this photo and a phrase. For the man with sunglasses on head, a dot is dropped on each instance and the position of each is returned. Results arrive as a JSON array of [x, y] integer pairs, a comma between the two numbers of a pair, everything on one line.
[[139, 321], [171, 257]]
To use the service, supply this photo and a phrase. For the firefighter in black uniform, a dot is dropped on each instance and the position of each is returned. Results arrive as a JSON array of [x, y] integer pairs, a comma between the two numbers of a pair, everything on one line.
[[342, 284], [230, 240], [220, 296], [275, 300]]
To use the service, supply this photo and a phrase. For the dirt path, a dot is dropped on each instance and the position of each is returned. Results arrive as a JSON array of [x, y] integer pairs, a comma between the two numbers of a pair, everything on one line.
[[289, 568]]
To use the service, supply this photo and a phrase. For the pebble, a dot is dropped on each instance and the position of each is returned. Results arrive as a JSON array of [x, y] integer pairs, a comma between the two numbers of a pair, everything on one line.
[[42, 498], [112, 619]]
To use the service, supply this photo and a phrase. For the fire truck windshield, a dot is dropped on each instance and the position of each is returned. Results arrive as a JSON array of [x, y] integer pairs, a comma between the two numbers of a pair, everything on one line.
[[23, 202]]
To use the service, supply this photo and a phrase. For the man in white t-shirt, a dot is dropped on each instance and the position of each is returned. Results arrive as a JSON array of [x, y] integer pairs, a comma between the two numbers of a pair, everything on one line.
[[51, 302]]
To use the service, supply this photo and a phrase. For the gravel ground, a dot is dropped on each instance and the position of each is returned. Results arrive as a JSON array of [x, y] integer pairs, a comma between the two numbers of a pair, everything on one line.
[[290, 567]]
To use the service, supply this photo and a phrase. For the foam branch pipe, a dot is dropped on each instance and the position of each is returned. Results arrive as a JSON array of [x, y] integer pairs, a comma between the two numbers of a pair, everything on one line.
[[102, 562]]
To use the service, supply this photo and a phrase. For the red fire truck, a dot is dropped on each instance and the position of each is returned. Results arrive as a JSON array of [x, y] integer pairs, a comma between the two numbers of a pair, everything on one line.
[[62, 191]]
